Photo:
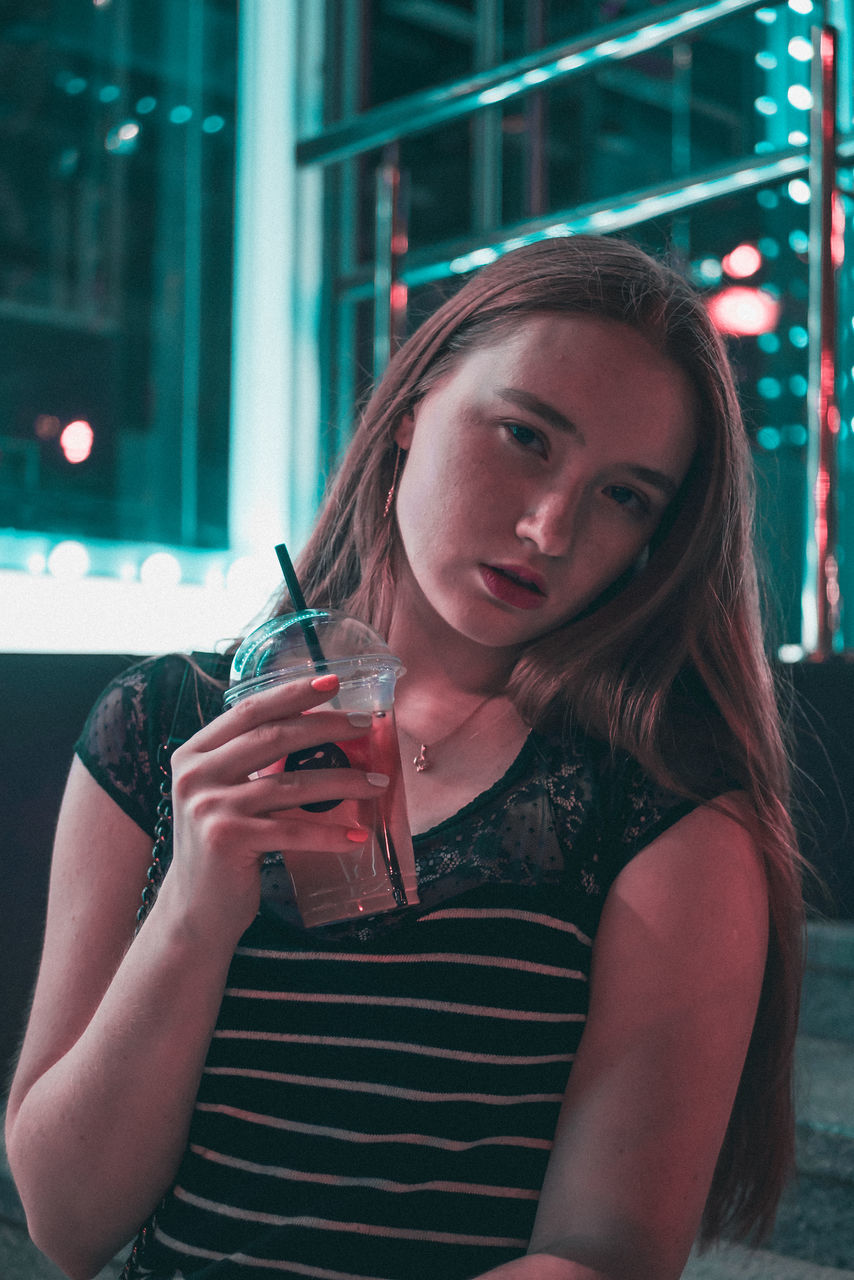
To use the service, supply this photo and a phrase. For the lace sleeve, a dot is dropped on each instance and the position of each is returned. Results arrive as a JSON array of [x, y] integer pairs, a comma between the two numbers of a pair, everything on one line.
[[624, 810], [641, 810], [133, 716], [115, 744]]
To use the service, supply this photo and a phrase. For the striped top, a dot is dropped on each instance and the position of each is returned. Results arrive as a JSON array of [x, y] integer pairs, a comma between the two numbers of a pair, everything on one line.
[[379, 1098]]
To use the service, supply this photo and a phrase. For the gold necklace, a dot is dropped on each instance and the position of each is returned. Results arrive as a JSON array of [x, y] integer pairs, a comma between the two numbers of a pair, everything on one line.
[[421, 761]]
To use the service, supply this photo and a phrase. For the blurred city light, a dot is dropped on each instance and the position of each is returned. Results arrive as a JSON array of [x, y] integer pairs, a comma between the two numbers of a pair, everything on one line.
[[743, 261], [68, 560], [160, 569], [76, 441], [743, 311]]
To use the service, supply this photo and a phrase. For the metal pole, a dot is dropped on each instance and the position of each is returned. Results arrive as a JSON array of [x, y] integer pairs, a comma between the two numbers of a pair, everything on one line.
[[391, 242], [425, 110], [823, 635]]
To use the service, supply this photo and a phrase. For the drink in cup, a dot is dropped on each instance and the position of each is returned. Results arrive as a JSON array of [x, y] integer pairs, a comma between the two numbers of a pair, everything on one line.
[[379, 874]]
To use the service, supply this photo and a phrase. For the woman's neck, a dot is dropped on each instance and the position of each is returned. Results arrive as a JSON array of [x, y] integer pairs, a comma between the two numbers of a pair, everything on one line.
[[438, 658]]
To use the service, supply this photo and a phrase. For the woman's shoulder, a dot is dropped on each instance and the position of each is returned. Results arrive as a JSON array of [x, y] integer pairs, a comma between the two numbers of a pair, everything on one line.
[[628, 805], [154, 703], [146, 694]]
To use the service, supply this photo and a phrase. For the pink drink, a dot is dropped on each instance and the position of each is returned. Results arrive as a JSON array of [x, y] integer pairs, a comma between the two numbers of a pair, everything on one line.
[[379, 874], [370, 877]]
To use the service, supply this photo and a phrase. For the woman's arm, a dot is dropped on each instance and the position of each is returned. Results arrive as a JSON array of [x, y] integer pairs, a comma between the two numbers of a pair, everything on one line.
[[108, 1074], [114, 1049], [677, 971]]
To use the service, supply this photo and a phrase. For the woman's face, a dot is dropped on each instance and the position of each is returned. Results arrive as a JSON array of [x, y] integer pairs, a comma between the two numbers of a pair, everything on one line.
[[537, 471]]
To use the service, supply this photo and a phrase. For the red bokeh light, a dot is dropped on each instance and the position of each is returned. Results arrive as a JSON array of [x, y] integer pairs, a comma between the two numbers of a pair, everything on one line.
[[76, 441], [744, 260], [744, 311]]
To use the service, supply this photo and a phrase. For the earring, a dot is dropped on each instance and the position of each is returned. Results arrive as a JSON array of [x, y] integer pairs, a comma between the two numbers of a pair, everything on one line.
[[390, 495]]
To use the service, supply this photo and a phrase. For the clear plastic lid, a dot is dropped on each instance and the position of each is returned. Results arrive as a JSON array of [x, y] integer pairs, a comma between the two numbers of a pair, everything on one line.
[[310, 643]]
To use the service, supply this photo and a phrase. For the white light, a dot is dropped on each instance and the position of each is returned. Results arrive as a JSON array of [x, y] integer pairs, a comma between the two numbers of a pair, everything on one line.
[[766, 106], [123, 139], [766, 60], [468, 261], [710, 270], [799, 191], [246, 573], [36, 563], [68, 560], [766, 15], [801, 6], [797, 138], [800, 49], [160, 569], [498, 94], [800, 97], [215, 578], [790, 653], [604, 219], [536, 76], [127, 571], [481, 257]]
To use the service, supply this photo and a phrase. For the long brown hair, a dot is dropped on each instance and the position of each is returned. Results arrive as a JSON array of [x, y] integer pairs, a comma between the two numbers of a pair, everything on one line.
[[674, 651]]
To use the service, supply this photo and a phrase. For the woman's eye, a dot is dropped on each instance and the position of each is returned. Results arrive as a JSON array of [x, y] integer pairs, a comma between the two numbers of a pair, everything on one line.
[[527, 437], [626, 497]]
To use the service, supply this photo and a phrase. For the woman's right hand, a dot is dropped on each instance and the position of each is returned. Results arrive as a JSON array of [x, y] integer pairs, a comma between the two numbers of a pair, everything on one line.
[[225, 820]]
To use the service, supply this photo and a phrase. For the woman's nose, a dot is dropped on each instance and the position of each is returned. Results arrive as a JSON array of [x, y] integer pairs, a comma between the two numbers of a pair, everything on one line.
[[550, 522]]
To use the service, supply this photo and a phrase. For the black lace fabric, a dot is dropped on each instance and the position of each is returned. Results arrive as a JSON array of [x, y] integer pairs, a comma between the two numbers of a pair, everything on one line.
[[566, 817], [135, 716]]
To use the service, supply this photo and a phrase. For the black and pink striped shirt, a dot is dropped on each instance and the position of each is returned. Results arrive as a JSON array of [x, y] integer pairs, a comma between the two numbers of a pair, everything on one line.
[[379, 1098]]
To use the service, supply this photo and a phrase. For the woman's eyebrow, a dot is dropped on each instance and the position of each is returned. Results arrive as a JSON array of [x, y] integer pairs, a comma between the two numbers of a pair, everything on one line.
[[527, 400], [660, 479]]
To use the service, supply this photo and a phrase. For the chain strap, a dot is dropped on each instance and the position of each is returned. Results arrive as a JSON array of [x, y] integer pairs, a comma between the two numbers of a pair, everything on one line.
[[129, 1270], [162, 833]]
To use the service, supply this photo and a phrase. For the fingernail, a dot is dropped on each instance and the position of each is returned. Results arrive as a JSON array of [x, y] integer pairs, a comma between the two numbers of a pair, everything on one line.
[[358, 835], [378, 779], [325, 684], [359, 720]]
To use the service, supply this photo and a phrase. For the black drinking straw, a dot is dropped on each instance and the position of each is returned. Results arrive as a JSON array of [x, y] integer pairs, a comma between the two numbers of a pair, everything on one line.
[[318, 657], [298, 600]]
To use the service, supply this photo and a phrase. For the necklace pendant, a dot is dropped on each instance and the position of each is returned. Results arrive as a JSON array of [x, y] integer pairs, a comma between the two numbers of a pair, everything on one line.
[[420, 761]]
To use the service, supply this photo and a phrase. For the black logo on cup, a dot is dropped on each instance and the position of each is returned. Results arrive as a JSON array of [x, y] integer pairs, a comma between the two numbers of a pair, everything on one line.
[[326, 756]]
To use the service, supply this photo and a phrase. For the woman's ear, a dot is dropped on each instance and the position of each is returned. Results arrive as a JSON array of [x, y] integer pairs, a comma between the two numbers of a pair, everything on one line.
[[404, 431]]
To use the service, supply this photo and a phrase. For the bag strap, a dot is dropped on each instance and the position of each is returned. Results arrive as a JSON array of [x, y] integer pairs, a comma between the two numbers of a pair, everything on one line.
[[163, 822]]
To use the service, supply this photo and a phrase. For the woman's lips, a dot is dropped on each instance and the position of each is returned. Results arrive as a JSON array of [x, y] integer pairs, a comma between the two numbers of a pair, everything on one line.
[[514, 585]]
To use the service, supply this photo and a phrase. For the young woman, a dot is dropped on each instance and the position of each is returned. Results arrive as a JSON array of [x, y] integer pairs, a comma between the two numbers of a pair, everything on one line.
[[576, 1053]]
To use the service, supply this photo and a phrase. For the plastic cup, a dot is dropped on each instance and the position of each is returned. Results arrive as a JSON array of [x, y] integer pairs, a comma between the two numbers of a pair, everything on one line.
[[378, 875]]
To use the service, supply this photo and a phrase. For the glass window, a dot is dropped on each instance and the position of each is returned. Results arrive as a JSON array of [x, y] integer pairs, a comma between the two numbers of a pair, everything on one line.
[[693, 140], [116, 180]]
